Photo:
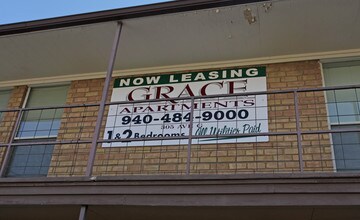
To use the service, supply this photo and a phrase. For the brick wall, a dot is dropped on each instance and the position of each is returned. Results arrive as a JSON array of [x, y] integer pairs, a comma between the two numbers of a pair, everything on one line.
[[317, 150], [280, 154], [76, 124], [8, 119]]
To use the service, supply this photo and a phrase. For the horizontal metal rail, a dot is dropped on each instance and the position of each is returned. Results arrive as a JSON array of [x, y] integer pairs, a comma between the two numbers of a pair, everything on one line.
[[25, 142], [296, 133], [290, 91]]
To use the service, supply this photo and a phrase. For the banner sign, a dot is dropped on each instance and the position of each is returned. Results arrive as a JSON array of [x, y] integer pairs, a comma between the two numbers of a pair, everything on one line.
[[212, 116]]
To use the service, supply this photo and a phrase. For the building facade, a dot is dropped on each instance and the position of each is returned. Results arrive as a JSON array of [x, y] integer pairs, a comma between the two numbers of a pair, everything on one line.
[[207, 109]]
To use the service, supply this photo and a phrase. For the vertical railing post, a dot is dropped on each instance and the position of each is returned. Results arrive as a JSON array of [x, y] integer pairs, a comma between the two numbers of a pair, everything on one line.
[[298, 131], [11, 140], [83, 211], [188, 161], [101, 112]]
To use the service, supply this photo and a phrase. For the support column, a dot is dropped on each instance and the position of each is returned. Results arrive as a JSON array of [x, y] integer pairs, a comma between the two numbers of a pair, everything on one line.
[[188, 161], [83, 211], [92, 154], [298, 131], [110, 69]]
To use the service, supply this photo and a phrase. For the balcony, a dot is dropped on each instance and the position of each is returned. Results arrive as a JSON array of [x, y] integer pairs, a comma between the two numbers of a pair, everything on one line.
[[294, 163], [295, 131], [295, 154]]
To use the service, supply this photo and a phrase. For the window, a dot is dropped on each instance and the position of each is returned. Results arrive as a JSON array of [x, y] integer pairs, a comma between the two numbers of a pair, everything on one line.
[[43, 123], [37, 126], [344, 113], [4, 99]]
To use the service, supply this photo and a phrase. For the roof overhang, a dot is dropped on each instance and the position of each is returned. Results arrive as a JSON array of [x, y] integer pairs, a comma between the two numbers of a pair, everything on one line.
[[178, 36], [175, 6]]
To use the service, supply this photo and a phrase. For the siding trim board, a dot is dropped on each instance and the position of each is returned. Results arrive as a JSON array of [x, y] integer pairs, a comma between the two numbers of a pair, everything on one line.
[[205, 190]]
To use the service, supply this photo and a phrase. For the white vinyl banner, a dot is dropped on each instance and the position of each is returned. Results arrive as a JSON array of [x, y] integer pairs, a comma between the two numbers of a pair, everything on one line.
[[238, 114]]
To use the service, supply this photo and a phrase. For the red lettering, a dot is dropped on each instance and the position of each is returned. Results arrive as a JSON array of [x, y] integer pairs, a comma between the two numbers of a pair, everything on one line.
[[188, 90], [232, 86], [160, 93], [203, 89], [146, 89]]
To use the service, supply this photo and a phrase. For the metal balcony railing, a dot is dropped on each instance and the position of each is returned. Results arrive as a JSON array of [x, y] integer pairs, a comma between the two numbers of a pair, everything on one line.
[[295, 130]]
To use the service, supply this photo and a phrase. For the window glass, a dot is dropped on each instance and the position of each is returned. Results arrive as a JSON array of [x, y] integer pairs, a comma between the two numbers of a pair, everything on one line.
[[30, 161], [347, 148], [43, 123], [344, 104], [4, 99], [47, 96]]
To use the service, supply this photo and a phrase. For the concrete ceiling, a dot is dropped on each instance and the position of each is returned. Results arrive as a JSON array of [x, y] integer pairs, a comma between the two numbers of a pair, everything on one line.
[[289, 27]]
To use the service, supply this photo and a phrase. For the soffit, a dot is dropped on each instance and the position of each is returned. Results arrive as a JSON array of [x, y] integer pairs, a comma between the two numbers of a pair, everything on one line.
[[56, 52], [288, 28]]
